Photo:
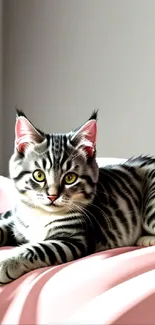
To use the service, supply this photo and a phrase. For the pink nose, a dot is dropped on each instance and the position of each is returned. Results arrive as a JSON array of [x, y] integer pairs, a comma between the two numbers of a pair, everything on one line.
[[52, 197]]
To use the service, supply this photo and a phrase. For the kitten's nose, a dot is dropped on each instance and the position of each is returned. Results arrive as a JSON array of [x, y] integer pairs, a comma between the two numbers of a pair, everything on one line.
[[52, 197]]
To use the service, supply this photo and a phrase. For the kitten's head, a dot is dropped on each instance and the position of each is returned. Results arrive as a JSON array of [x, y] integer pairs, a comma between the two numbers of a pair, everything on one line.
[[55, 172]]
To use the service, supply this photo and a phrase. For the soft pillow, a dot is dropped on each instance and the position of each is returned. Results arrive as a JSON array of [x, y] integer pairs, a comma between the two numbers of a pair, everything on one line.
[[112, 287]]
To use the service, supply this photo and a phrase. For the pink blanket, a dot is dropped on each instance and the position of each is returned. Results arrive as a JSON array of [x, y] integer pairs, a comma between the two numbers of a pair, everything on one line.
[[112, 287]]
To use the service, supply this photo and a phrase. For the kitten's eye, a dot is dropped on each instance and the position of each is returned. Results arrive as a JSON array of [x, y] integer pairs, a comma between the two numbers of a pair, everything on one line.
[[39, 176], [70, 178]]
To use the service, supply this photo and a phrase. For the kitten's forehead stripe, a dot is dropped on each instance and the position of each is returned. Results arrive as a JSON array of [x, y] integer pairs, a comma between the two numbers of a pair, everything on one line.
[[68, 165], [49, 162], [44, 163], [58, 149], [65, 152], [37, 164]]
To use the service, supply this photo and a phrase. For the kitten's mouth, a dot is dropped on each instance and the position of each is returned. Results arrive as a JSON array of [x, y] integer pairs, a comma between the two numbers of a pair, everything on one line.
[[55, 208], [53, 204]]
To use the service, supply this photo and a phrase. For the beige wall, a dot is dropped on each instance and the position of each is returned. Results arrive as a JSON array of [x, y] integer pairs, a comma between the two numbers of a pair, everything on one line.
[[63, 58], [1, 100]]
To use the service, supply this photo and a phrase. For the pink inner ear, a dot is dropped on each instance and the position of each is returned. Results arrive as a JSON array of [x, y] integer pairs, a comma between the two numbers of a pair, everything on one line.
[[25, 133], [90, 131], [87, 136]]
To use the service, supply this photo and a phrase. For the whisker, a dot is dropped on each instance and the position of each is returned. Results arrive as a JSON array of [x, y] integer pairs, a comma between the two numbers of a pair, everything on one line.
[[85, 212]]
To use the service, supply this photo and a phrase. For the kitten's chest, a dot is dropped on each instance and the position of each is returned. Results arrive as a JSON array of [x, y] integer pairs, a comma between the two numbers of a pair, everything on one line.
[[33, 225], [37, 229]]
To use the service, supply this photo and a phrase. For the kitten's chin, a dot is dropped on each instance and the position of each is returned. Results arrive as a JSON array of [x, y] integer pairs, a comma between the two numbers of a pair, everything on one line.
[[54, 209]]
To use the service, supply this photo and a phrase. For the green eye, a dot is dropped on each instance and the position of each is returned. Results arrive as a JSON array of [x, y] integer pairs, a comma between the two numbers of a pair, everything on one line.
[[70, 178], [39, 176]]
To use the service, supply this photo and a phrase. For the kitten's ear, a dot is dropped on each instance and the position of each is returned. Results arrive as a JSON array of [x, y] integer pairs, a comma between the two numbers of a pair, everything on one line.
[[85, 136], [25, 132]]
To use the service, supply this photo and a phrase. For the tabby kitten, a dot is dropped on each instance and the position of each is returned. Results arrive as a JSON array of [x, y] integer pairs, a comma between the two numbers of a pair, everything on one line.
[[67, 207]]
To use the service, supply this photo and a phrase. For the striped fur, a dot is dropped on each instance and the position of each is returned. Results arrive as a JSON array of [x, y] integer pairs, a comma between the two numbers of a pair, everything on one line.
[[105, 208]]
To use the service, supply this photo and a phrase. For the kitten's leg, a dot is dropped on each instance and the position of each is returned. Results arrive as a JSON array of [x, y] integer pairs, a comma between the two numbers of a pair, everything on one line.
[[148, 222], [28, 257], [6, 233]]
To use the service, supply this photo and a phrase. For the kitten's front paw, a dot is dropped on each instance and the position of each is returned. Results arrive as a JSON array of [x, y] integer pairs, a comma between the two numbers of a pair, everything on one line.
[[146, 241], [11, 268]]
